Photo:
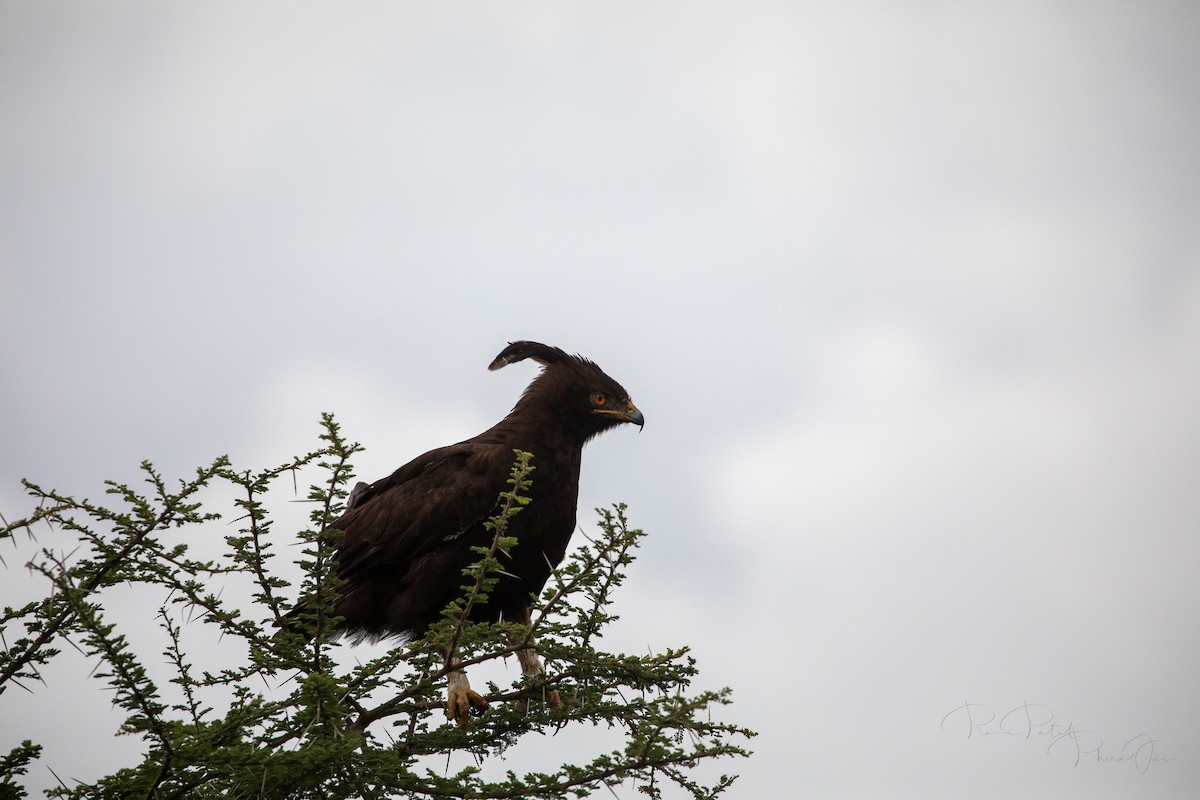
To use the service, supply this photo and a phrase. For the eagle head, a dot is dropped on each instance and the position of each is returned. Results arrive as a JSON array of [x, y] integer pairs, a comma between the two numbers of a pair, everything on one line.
[[571, 388]]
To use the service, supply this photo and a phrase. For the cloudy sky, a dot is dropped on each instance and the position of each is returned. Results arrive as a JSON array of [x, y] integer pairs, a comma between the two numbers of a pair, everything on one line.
[[908, 292]]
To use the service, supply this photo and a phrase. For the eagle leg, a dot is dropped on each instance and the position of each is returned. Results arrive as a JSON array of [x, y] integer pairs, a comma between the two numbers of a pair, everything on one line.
[[461, 702], [531, 668]]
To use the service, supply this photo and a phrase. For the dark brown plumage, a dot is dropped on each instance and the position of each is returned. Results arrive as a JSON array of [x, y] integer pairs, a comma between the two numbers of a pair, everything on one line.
[[408, 536]]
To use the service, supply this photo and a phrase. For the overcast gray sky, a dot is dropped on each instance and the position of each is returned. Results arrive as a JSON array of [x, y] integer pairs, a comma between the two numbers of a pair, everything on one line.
[[908, 292]]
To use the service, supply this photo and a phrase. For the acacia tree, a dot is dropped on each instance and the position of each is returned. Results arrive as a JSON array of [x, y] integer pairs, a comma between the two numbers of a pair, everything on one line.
[[286, 717]]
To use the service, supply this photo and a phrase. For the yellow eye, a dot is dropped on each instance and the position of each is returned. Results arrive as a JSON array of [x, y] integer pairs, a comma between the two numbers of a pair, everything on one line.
[[599, 399]]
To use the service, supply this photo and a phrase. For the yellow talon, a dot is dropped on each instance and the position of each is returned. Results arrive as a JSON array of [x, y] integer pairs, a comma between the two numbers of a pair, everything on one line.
[[553, 702], [462, 704]]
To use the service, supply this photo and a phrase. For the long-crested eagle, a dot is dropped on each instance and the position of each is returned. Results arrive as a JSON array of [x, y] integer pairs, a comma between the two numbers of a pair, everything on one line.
[[408, 537]]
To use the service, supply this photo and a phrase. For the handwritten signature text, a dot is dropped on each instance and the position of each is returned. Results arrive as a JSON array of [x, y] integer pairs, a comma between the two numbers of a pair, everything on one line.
[[1065, 741]]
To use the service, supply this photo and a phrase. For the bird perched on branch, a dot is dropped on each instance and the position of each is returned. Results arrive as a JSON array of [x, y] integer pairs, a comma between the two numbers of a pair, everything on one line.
[[408, 537]]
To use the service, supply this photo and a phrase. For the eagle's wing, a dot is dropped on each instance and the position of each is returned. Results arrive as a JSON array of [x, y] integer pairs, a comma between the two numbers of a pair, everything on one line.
[[435, 497]]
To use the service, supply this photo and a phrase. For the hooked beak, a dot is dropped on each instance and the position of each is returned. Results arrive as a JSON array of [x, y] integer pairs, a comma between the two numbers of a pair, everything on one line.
[[634, 416], [631, 414]]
